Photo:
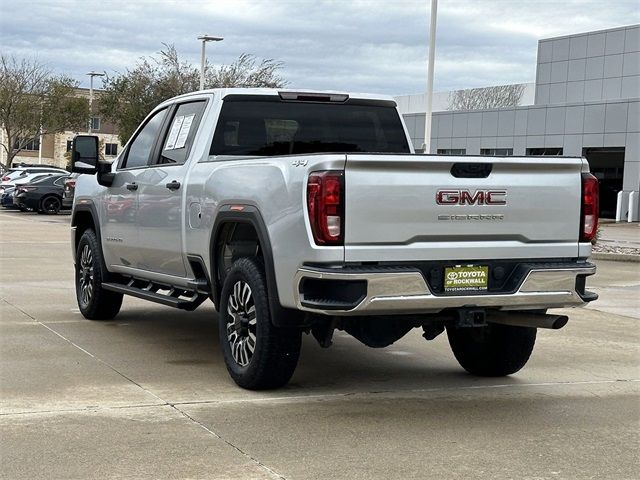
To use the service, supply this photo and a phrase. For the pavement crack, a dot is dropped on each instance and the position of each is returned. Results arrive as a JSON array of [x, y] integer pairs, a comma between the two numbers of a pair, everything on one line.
[[106, 364], [253, 459], [162, 401], [19, 309], [81, 410]]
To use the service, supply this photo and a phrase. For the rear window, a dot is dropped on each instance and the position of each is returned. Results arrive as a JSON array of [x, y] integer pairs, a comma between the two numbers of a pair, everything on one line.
[[266, 126]]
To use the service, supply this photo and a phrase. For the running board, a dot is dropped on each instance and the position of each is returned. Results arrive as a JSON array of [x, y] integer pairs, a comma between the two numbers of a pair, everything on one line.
[[175, 297]]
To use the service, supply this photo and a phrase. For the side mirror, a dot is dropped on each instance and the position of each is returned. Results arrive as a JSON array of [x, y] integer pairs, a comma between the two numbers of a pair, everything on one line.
[[84, 154]]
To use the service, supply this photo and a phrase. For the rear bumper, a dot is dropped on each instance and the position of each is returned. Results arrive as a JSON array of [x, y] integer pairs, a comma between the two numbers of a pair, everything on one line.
[[403, 290], [25, 201]]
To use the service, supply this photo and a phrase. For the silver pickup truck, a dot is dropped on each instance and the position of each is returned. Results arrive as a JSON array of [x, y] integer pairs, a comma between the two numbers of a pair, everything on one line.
[[306, 212]]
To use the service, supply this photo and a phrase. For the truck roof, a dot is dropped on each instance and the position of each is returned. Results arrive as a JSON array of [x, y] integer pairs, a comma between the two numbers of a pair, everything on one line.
[[223, 92]]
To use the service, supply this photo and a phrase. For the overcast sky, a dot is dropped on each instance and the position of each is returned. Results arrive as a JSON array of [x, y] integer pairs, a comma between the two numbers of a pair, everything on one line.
[[362, 45]]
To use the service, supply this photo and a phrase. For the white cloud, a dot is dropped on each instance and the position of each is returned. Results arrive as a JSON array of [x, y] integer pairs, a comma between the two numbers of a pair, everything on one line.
[[362, 45]]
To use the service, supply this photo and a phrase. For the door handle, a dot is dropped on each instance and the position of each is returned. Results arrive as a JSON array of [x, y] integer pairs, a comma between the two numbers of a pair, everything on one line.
[[132, 186], [173, 185]]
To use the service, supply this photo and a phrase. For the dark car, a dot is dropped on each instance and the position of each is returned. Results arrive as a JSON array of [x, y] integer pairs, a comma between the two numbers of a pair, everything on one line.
[[44, 195], [8, 195]]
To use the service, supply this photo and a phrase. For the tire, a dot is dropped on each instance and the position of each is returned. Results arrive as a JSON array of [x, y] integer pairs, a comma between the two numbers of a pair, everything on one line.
[[492, 351], [50, 205], [94, 302], [245, 320]]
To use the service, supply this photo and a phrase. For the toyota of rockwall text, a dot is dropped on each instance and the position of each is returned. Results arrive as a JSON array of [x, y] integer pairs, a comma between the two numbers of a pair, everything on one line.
[[306, 212]]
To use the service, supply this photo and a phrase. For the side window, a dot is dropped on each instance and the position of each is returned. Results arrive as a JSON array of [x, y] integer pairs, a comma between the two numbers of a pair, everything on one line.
[[140, 148], [182, 130]]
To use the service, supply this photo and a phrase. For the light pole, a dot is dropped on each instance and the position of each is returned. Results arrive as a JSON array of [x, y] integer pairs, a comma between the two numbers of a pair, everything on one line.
[[205, 39], [426, 146], [92, 74]]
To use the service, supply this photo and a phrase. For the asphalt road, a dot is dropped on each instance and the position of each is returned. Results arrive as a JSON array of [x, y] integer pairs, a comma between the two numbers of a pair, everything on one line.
[[147, 395]]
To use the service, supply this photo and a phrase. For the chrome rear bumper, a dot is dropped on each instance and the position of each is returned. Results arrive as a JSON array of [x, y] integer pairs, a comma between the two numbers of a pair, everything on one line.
[[406, 292]]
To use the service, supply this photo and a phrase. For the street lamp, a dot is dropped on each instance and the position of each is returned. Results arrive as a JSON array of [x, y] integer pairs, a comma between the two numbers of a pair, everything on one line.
[[92, 74], [426, 146], [205, 39]]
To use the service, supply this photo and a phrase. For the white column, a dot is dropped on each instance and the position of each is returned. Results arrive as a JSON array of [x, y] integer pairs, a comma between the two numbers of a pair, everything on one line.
[[202, 62], [633, 207], [432, 53], [619, 206]]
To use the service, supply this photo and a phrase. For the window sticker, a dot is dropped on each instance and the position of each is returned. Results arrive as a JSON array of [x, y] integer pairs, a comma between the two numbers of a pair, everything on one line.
[[184, 131], [173, 134]]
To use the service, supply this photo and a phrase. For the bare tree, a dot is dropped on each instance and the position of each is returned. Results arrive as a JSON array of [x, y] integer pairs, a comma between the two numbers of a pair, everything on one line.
[[128, 97], [488, 97], [34, 101], [247, 72]]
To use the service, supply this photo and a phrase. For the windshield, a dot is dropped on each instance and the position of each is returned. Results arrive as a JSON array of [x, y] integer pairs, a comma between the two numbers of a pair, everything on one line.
[[268, 126]]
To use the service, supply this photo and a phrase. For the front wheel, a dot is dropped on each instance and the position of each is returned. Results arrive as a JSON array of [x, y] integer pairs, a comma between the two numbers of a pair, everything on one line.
[[94, 302], [493, 351], [258, 355]]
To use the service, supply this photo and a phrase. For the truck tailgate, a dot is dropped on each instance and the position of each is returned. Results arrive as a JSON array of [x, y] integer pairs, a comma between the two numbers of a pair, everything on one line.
[[392, 212]]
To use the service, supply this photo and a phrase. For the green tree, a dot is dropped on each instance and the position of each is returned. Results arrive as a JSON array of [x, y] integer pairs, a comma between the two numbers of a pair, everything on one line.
[[33, 101], [128, 97]]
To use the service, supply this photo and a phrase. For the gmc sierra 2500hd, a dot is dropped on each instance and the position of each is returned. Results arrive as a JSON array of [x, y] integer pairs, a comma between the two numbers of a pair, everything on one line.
[[309, 212]]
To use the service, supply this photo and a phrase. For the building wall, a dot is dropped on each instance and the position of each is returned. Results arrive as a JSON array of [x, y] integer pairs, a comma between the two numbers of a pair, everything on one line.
[[54, 148], [571, 127], [587, 94], [602, 65]]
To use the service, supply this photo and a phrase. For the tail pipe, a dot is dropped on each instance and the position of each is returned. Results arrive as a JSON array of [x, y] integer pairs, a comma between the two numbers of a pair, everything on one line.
[[525, 319]]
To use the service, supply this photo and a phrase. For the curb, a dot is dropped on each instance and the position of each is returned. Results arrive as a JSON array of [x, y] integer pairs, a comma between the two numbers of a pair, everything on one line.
[[616, 257]]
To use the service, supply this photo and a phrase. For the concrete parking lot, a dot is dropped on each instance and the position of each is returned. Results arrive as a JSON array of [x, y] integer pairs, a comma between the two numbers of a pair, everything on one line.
[[147, 395]]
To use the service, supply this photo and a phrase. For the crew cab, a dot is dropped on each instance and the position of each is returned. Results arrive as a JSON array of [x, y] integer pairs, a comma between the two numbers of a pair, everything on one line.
[[306, 212]]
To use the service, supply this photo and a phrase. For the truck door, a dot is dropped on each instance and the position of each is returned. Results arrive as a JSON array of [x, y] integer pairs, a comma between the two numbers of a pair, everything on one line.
[[120, 238], [160, 211]]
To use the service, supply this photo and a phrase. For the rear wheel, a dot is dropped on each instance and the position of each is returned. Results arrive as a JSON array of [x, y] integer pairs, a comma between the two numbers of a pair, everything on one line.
[[492, 351], [94, 302], [258, 355], [50, 205]]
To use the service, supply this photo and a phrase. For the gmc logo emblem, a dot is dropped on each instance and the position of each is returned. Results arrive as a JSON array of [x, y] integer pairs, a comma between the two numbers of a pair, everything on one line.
[[465, 197]]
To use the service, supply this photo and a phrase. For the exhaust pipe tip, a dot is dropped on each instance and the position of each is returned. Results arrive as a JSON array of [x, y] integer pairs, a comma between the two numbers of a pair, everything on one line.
[[532, 320], [559, 322]]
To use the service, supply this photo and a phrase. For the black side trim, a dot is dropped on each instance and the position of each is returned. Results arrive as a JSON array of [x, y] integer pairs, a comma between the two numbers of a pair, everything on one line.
[[281, 317], [586, 295], [332, 294], [87, 206], [201, 284]]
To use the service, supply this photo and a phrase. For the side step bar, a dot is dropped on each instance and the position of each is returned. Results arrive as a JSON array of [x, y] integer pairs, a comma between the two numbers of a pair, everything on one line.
[[174, 298]]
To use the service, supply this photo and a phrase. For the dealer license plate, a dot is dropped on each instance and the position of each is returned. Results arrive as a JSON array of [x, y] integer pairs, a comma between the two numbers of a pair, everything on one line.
[[469, 278]]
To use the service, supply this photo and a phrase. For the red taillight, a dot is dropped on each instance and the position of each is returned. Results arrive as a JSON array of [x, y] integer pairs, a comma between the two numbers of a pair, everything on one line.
[[590, 208], [26, 189], [5, 178], [325, 203]]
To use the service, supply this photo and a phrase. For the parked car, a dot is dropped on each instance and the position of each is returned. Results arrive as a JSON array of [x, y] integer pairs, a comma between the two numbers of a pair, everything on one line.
[[11, 192], [69, 190], [26, 174], [6, 198], [44, 195]]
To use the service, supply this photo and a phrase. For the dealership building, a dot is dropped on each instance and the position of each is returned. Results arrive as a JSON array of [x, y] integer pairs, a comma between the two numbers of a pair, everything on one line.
[[586, 102]]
